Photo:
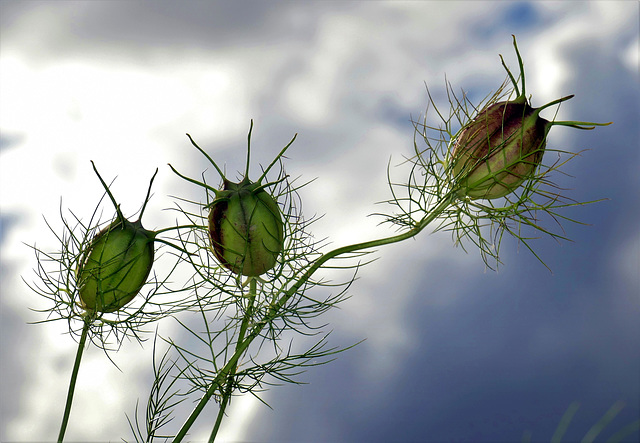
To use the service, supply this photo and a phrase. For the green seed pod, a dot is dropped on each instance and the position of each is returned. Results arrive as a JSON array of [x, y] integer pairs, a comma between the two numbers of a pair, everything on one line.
[[115, 266], [501, 147], [117, 262], [245, 228], [245, 224]]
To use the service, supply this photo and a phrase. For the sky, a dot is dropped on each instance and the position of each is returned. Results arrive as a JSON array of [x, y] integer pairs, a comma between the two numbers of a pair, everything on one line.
[[454, 352]]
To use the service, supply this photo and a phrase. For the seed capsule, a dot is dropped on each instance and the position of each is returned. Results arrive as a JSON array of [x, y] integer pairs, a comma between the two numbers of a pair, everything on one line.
[[501, 147], [117, 262], [245, 225], [115, 266], [245, 228]]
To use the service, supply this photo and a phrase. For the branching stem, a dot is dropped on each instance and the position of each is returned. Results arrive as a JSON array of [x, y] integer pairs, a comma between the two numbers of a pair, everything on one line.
[[243, 344]]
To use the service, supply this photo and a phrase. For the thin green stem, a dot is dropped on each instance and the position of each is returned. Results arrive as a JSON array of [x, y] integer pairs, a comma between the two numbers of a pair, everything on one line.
[[243, 330], [242, 346], [564, 422], [280, 154], [195, 182], [207, 396], [146, 199], [246, 171], [171, 228], [520, 65], [74, 377], [207, 156], [108, 191], [426, 220]]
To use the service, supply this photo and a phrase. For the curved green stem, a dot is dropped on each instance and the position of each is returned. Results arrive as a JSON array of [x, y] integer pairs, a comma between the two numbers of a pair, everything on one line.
[[74, 377], [280, 154], [170, 228], [246, 170], [146, 199], [207, 156], [196, 182], [111, 197], [241, 347]]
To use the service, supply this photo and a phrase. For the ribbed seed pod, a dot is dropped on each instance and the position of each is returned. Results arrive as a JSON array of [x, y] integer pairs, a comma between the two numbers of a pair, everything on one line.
[[117, 262], [500, 149], [115, 266], [245, 228], [503, 145]]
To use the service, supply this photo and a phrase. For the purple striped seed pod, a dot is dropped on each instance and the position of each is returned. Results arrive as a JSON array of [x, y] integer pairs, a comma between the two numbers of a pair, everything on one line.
[[499, 149], [503, 145]]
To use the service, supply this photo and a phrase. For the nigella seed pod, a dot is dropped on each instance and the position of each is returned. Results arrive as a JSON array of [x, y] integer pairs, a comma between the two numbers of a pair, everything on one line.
[[116, 264], [503, 145], [500, 149], [245, 224], [245, 228]]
